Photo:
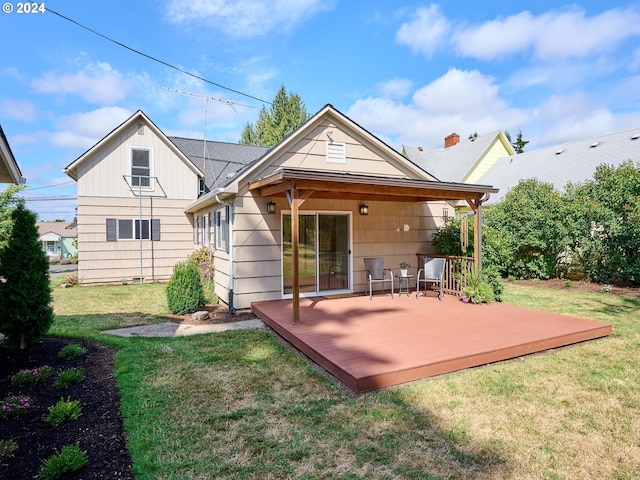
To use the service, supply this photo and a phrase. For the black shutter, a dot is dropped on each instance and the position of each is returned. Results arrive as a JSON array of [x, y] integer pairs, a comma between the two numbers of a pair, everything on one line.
[[111, 230], [155, 229]]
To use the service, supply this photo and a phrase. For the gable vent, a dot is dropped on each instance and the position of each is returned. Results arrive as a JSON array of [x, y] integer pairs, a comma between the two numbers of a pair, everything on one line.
[[336, 152]]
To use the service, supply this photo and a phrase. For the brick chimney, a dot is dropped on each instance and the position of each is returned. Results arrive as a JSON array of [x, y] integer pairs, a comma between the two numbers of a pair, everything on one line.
[[451, 140]]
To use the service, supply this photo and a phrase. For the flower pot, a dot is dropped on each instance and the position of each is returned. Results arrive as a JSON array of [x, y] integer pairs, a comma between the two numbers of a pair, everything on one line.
[[403, 272]]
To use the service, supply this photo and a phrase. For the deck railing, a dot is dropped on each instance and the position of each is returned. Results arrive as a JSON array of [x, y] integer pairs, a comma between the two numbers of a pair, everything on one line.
[[455, 273]]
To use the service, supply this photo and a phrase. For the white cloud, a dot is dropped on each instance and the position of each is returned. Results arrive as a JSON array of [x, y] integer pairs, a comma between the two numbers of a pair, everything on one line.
[[83, 130], [460, 101], [396, 88], [427, 32], [246, 18], [550, 36], [97, 83], [18, 109]]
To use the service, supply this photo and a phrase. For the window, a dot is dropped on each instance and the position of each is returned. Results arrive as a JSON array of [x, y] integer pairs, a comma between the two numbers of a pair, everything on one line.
[[133, 229], [51, 247], [141, 167], [205, 231], [221, 217], [196, 226]]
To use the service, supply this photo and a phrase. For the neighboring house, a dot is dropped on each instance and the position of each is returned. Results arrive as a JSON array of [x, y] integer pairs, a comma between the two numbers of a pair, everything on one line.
[[573, 162], [146, 201], [9, 170], [59, 239]]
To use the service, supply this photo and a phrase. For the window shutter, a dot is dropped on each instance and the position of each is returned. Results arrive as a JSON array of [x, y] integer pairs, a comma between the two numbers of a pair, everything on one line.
[[155, 229], [111, 230]]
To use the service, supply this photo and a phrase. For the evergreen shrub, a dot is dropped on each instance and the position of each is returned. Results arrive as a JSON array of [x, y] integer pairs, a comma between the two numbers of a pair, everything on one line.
[[184, 291]]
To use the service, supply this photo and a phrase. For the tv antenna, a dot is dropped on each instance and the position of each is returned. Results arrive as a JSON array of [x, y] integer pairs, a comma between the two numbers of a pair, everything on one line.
[[208, 99]]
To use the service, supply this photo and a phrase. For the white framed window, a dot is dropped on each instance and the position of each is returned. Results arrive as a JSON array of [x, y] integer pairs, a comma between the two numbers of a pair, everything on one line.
[[51, 247], [221, 217], [205, 230], [141, 163], [133, 229], [336, 152], [196, 226]]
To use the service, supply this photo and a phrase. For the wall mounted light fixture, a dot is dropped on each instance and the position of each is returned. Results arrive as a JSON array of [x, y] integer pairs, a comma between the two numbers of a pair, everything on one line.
[[364, 209], [271, 207]]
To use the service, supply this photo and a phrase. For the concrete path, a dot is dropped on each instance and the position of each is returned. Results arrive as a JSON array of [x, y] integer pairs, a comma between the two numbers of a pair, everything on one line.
[[170, 329]]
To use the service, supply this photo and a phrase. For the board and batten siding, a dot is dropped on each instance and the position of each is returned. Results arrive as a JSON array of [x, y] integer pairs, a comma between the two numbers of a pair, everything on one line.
[[102, 175], [103, 193]]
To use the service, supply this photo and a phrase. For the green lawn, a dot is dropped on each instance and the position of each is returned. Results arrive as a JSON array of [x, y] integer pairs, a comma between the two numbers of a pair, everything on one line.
[[240, 405]]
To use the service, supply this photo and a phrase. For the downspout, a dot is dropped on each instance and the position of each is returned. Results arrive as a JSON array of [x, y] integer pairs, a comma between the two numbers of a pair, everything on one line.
[[231, 309]]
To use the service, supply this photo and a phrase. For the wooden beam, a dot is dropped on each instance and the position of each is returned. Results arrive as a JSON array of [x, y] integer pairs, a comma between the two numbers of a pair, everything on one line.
[[296, 199]]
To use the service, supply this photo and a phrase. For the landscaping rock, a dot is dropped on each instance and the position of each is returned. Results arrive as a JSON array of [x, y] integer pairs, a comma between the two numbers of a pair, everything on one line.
[[200, 316]]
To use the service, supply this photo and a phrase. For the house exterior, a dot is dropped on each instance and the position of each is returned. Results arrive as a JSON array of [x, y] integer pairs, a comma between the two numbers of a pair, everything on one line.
[[9, 169], [256, 208], [575, 162], [59, 239]]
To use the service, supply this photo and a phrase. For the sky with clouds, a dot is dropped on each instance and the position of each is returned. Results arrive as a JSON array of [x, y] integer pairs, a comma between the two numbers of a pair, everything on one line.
[[411, 72]]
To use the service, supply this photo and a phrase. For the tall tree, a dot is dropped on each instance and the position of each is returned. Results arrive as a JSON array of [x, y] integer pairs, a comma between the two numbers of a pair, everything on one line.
[[25, 294], [8, 201], [287, 112], [519, 143]]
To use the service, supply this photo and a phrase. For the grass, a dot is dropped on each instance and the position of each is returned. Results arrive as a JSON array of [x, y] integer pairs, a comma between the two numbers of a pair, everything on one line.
[[240, 405]]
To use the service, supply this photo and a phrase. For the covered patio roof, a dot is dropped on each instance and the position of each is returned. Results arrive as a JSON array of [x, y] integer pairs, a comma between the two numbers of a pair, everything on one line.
[[298, 185]]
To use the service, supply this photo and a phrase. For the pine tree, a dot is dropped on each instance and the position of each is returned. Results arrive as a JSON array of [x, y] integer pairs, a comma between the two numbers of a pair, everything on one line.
[[25, 294], [287, 112], [519, 144]]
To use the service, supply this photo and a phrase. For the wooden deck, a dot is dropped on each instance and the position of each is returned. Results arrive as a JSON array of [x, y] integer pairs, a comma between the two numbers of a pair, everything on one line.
[[374, 344]]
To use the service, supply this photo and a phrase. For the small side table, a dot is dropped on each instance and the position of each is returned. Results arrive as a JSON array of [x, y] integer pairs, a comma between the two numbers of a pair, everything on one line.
[[405, 279]]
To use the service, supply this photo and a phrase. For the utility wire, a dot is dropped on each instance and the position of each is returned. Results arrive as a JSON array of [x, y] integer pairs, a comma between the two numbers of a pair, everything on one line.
[[49, 186], [156, 59]]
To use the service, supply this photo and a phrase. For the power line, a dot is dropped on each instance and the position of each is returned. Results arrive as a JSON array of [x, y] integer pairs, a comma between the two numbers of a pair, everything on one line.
[[155, 59], [49, 186]]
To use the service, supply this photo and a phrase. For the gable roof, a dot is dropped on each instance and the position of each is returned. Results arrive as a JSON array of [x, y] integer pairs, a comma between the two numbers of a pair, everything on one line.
[[223, 160], [456, 163], [61, 229], [139, 116], [328, 112], [9, 169], [574, 162]]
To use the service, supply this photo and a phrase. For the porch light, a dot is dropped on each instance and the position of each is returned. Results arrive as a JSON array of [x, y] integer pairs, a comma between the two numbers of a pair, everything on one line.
[[364, 209], [271, 207]]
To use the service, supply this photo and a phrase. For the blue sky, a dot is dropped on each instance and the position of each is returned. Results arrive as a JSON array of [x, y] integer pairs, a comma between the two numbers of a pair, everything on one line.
[[411, 72]]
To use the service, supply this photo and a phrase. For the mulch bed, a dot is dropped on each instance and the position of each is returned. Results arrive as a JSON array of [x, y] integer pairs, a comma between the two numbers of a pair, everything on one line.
[[99, 429], [218, 313]]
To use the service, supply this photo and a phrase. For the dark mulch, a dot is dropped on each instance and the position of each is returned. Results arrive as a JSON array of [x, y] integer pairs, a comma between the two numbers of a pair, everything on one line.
[[99, 429], [581, 286], [218, 313]]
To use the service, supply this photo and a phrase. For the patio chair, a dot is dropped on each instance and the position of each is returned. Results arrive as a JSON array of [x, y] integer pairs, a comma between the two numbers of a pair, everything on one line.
[[375, 271], [433, 272]]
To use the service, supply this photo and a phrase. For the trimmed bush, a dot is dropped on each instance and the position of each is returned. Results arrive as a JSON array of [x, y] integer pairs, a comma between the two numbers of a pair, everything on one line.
[[64, 411], [25, 294], [69, 377], [69, 459], [184, 291], [71, 352]]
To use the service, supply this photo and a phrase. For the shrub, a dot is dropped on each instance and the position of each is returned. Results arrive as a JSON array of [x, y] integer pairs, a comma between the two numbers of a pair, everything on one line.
[[14, 405], [69, 459], [184, 291], [25, 292], [69, 377], [30, 377], [71, 352], [7, 450], [477, 289], [64, 411]]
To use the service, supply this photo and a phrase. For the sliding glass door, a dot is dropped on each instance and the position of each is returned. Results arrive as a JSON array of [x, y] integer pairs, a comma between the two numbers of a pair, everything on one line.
[[324, 253]]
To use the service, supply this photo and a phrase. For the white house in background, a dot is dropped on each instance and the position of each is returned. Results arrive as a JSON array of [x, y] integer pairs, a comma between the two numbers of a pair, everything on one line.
[[574, 162], [59, 239], [9, 169], [146, 201]]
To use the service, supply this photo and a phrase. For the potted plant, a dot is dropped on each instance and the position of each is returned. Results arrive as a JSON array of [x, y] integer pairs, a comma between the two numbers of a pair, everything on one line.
[[404, 266]]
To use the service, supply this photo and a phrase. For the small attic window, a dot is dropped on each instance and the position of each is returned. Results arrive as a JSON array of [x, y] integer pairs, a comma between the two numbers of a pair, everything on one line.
[[558, 152], [595, 144], [336, 152]]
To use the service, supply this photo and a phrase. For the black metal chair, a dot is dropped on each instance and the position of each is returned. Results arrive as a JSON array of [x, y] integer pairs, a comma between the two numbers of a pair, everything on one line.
[[433, 272], [375, 271]]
